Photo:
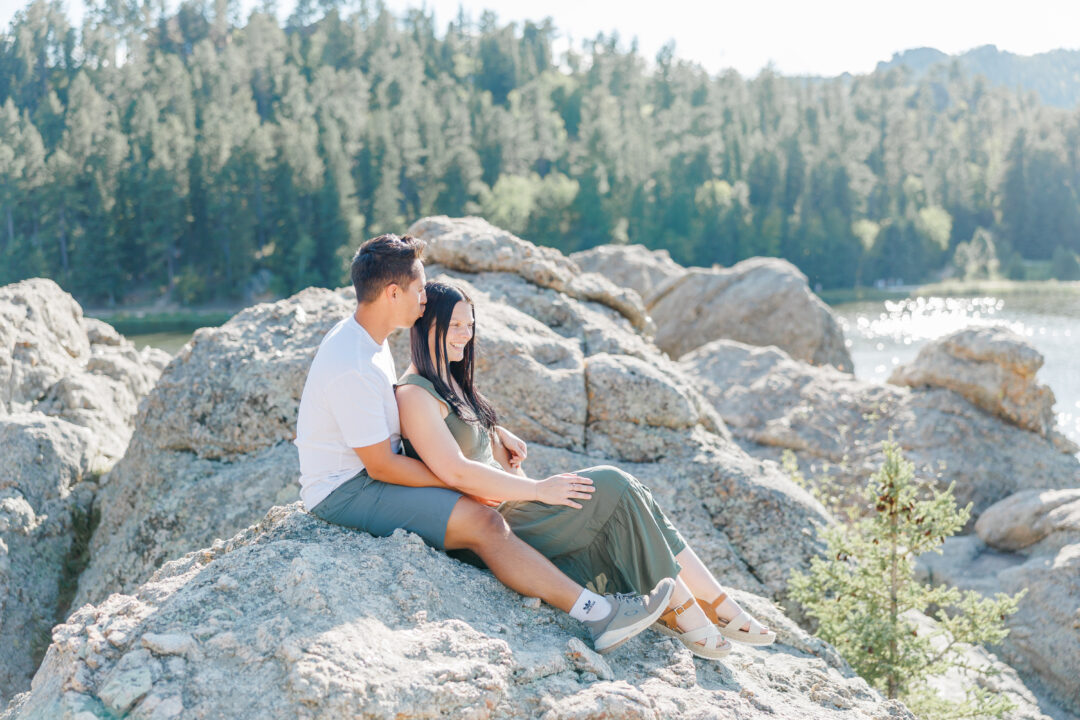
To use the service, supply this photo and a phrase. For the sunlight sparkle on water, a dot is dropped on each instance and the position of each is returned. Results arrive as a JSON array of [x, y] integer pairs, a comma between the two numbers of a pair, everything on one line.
[[881, 336], [923, 318]]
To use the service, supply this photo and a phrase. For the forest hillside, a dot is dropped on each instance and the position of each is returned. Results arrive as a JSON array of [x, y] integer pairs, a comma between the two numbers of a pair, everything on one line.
[[202, 157]]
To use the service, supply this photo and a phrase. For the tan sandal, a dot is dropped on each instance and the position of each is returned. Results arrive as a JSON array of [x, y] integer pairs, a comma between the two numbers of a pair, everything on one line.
[[714, 647], [758, 634]]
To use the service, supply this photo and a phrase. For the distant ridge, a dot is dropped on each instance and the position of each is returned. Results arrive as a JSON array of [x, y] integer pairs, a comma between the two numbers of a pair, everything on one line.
[[1054, 76]]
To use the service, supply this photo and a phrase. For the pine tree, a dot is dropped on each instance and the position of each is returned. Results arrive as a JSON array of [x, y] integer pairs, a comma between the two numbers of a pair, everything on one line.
[[862, 592]]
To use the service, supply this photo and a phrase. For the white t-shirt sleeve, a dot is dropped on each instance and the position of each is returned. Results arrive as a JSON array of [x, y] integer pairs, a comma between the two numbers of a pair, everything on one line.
[[356, 403]]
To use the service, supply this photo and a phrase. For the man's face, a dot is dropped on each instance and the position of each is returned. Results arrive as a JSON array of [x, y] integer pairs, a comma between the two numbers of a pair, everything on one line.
[[413, 297]]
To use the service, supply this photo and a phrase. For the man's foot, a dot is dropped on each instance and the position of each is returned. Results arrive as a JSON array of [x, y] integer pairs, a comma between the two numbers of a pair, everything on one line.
[[630, 614], [736, 623]]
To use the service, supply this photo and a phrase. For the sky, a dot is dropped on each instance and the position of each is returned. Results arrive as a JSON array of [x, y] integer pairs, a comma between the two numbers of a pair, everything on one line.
[[797, 37]]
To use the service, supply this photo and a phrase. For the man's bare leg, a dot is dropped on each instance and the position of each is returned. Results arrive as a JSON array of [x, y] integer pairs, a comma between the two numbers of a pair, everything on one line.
[[517, 565]]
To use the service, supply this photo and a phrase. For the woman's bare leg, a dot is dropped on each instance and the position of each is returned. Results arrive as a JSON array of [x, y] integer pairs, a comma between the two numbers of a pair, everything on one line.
[[703, 585], [693, 617]]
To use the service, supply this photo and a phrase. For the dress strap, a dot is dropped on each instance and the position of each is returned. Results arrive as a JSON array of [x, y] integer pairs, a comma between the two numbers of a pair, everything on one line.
[[423, 382]]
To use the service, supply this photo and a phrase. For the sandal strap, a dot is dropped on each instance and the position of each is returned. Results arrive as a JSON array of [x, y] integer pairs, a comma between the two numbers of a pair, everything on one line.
[[671, 617], [710, 608], [744, 618], [707, 633]]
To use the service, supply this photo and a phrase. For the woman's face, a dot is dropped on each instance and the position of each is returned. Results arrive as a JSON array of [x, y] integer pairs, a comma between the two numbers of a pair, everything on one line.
[[458, 334]]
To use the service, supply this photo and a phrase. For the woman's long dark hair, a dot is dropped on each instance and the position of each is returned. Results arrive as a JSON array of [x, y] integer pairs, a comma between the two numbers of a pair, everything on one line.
[[441, 301]]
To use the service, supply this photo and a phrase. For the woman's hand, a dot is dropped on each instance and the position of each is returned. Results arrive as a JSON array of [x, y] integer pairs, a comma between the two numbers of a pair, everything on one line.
[[514, 445], [564, 489]]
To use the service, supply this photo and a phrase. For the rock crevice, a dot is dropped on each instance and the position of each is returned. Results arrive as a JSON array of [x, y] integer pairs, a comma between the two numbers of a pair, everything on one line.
[[69, 389]]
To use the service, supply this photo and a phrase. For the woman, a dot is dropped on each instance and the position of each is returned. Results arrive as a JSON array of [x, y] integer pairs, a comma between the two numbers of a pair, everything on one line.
[[616, 539]]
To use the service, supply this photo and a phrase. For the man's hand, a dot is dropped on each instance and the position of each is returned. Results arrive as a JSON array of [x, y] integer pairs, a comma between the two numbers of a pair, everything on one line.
[[514, 445]]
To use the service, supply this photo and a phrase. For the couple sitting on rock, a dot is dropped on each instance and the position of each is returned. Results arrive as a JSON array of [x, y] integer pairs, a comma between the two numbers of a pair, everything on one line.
[[460, 485]]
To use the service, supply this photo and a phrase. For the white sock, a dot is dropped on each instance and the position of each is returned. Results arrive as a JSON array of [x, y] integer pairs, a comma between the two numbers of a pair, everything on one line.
[[590, 606]]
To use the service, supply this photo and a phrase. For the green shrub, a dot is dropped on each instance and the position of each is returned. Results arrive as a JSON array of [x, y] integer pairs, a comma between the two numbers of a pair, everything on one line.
[[861, 592]]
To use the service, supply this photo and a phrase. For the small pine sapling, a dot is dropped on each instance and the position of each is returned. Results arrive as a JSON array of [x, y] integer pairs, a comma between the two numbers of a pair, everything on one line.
[[862, 594]]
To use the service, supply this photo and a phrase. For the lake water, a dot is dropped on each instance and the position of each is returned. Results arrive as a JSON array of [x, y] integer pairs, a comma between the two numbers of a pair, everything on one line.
[[170, 342], [882, 335]]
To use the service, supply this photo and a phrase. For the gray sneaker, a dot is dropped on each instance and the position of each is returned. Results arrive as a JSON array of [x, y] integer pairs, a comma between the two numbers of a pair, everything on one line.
[[630, 615]]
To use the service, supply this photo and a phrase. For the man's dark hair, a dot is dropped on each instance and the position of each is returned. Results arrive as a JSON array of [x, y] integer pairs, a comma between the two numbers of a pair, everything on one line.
[[384, 260]]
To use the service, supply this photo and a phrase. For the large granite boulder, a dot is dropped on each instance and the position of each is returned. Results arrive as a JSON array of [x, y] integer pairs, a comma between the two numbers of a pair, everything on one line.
[[46, 488], [1027, 542], [212, 447], [585, 390], [473, 245], [835, 425], [69, 389], [636, 267], [760, 301], [1047, 519], [994, 368], [59, 363], [295, 618]]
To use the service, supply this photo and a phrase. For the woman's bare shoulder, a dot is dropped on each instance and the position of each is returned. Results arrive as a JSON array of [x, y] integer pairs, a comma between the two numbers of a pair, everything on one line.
[[413, 398]]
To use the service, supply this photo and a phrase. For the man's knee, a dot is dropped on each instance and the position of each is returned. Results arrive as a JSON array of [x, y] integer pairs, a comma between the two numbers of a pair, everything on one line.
[[473, 525]]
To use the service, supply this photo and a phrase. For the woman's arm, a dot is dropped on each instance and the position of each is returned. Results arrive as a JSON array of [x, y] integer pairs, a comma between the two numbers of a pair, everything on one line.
[[423, 424], [503, 457]]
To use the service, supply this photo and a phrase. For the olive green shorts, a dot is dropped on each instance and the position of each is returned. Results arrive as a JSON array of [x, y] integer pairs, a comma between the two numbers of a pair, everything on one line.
[[380, 508]]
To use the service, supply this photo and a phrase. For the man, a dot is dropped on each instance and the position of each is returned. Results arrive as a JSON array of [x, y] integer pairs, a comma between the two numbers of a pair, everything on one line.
[[348, 436]]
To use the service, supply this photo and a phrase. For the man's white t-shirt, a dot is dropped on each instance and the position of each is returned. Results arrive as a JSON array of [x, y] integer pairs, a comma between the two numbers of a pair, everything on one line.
[[348, 402]]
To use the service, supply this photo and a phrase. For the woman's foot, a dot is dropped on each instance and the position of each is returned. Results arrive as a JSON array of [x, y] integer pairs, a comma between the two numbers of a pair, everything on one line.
[[688, 624], [736, 623]]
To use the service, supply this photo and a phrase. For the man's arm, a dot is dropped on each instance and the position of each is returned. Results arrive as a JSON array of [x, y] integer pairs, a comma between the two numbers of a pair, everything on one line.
[[383, 464]]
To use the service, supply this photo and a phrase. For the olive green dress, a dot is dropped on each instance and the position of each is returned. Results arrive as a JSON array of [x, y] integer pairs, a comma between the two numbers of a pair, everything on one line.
[[619, 541]]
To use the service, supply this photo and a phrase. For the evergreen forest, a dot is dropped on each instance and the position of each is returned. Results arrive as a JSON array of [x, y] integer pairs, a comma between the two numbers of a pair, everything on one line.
[[199, 156]]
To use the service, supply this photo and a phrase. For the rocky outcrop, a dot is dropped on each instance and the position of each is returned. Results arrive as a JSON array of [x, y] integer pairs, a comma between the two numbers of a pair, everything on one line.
[[59, 363], [835, 425], [69, 389], [992, 367], [285, 609], [1046, 519], [636, 267], [212, 449], [1029, 541], [295, 618], [46, 480], [574, 378], [473, 245], [760, 301]]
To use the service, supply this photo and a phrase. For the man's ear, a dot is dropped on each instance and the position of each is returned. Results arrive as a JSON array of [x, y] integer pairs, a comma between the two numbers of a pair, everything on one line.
[[392, 291]]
